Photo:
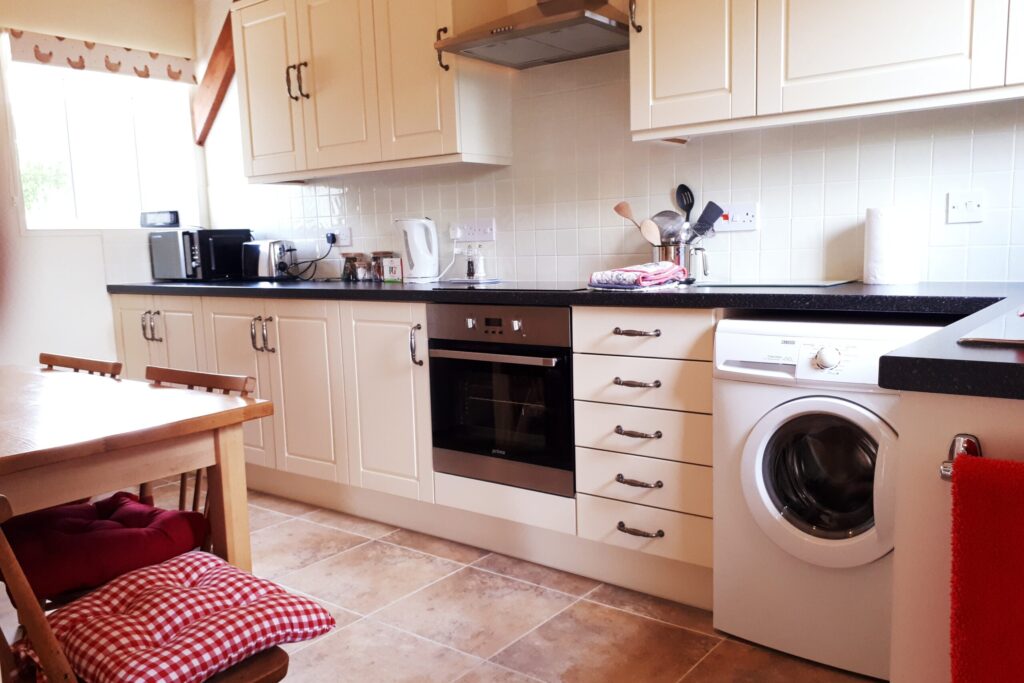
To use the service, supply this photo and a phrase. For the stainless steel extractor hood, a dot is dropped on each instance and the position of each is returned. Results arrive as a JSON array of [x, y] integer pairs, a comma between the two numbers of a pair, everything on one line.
[[551, 31]]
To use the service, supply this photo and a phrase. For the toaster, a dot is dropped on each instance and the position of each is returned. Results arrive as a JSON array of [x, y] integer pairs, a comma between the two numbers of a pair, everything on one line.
[[268, 259]]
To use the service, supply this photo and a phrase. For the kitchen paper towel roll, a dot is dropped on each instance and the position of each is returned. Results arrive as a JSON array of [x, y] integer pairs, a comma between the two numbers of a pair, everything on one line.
[[892, 247]]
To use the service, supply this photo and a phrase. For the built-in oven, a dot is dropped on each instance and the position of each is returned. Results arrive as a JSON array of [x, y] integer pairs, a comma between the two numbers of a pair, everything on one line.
[[501, 394]]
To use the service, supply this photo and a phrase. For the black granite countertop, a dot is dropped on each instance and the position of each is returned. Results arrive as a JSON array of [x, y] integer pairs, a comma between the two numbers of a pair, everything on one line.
[[935, 364]]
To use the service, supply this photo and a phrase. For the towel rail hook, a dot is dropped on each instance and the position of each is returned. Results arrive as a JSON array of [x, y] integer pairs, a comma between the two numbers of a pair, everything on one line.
[[963, 444]]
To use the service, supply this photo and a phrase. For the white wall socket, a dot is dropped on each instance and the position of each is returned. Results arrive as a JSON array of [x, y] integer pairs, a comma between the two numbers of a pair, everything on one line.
[[343, 234], [965, 206], [483, 230], [739, 216]]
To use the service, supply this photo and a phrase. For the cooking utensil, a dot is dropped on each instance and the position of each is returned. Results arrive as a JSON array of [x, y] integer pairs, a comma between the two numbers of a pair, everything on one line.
[[649, 229], [705, 225], [626, 211], [685, 199], [671, 225]]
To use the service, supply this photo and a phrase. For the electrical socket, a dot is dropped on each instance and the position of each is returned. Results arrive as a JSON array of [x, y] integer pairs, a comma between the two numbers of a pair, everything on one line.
[[483, 230], [965, 206], [740, 216], [342, 235]]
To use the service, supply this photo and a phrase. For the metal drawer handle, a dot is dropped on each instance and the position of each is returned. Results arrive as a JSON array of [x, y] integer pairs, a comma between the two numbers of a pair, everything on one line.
[[660, 533], [266, 341], [635, 333], [288, 80], [639, 484], [412, 343], [298, 78], [152, 328], [252, 332], [639, 385], [636, 435], [145, 316], [632, 17]]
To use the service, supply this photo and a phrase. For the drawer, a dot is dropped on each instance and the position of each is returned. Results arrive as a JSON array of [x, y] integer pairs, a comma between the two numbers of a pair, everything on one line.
[[686, 538], [684, 436], [684, 384], [685, 488], [684, 334], [507, 502]]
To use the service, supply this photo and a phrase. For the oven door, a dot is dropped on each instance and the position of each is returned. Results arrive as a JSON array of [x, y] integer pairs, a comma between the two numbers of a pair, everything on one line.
[[503, 413]]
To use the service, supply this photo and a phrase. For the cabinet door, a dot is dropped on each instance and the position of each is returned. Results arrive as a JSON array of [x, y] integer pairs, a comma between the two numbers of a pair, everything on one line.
[[179, 327], [417, 96], [230, 349], [388, 399], [265, 47], [129, 319], [1015, 44], [825, 53], [340, 116], [304, 349], [693, 61]]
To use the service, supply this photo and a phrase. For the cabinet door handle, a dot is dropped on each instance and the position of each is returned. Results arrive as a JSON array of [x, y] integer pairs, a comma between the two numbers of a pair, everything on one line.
[[288, 80], [621, 478], [637, 435], [144, 317], [252, 332], [152, 327], [635, 384], [632, 17], [660, 533], [636, 333], [266, 342], [440, 32], [412, 343], [298, 78]]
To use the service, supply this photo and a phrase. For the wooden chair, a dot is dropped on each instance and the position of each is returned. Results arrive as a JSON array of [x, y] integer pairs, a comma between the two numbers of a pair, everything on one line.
[[93, 367], [269, 666], [206, 381]]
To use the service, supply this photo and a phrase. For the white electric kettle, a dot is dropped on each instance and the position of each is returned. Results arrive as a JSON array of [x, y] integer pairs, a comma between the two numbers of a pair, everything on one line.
[[422, 259]]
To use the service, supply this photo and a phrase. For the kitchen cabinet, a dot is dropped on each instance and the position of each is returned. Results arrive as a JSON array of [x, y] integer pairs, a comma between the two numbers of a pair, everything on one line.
[[335, 86], [388, 398], [693, 60], [157, 330]]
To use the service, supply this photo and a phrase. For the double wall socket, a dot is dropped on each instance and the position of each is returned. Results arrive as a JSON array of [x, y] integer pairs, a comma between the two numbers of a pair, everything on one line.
[[483, 230], [965, 206], [739, 216], [342, 235]]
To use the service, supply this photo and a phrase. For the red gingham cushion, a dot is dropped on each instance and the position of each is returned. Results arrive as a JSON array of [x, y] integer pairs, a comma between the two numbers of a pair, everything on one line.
[[181, 621]]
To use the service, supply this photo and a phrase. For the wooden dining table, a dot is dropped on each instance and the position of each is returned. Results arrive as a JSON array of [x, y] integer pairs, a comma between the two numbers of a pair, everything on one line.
[[68, 435]]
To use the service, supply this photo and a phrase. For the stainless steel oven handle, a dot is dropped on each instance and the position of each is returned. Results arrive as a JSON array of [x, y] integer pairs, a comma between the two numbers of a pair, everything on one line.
[[637, 435], [635, 384], [660, 533], [621, 478], [635, 333], [494, 358], [412, 343]]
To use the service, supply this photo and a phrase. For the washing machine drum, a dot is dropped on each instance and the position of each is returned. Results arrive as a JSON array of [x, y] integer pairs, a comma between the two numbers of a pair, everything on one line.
[[817, 480]]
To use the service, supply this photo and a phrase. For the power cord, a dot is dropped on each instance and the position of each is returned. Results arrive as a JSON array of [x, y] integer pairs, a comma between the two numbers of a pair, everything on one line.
[[312, 263]]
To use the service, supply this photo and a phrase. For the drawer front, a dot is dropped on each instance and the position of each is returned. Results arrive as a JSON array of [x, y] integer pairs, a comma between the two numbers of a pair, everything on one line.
[[685, 488], [685, 437], [684, 384], [684, 334], [687, 538]]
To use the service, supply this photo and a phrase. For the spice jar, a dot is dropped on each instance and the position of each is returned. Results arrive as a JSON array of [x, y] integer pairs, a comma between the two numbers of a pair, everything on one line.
[[377, 264]]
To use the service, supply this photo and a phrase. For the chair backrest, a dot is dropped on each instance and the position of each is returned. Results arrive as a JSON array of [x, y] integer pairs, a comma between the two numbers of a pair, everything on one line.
[[93, 367], [207, 381]]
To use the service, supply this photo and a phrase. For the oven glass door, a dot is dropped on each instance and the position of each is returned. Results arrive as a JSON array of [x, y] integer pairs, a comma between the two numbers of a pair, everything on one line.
[[504, 401]]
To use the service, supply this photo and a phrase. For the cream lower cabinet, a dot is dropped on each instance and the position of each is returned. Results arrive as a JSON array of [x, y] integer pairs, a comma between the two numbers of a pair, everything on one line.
[[158, 330], [388, 398]]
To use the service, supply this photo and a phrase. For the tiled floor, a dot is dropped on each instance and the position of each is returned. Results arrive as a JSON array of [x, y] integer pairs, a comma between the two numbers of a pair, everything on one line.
[[412, 607]]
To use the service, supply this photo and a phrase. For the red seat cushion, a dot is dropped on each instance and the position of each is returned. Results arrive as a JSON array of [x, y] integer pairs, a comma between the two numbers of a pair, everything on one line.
[[178, 622], [77, 547]]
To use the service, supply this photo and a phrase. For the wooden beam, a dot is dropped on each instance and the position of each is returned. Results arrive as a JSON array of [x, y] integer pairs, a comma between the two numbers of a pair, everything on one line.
[[210, 95]]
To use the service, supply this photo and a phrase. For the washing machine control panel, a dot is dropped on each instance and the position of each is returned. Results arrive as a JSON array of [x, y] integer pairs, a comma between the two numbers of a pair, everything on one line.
[[827, 357]]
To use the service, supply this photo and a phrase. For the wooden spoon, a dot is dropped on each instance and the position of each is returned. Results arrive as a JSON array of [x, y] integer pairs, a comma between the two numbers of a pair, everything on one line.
[[649, 229], [626, 211]]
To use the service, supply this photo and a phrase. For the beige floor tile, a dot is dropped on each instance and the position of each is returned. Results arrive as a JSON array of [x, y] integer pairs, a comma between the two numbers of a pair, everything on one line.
[[261, 518], [370, 651], [441, 547], [489, 672], [538, 574], [474, 611], [655, 608], [736, 661], [342, 618], [590, 642], [350, 523], [294, 544], [369, 577], [278, 504]]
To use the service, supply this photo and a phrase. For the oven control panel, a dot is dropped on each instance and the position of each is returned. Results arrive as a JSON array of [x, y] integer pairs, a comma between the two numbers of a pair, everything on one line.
[[538, 325]]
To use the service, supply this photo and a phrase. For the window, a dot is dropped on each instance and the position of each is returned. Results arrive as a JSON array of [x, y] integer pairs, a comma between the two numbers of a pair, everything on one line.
[[95, 149]]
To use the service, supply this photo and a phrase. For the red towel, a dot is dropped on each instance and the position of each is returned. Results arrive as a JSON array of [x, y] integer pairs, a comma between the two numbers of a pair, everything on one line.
[[987, 616]]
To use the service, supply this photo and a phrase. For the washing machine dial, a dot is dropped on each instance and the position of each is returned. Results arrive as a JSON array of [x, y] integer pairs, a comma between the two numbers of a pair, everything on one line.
[[827, 357]]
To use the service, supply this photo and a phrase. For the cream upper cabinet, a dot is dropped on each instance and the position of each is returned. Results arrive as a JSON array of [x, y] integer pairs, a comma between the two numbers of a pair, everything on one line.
[[266, 52], [307, 384], [825, 53], [339, 82], [1015, 44], [160, 330], [692, 61], [388, 398]]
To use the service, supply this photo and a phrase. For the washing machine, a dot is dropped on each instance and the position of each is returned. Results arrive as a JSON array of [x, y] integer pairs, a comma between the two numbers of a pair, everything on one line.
[[804, 486]]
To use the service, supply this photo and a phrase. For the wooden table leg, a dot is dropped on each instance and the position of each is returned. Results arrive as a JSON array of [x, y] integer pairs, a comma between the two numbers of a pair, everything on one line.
[[229, 512]]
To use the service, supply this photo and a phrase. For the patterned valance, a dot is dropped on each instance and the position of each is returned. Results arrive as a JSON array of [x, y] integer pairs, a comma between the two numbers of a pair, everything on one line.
[[38, 48]]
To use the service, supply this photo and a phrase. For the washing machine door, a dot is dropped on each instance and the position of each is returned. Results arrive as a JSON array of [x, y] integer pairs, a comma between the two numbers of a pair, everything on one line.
[[818, 477]]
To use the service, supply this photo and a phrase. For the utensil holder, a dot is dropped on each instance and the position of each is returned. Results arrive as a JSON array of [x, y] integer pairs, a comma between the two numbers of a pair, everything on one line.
[[668, 252]]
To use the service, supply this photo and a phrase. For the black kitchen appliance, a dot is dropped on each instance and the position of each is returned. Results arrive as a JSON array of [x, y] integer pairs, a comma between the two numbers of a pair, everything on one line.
[[197, 254], [501, 394]]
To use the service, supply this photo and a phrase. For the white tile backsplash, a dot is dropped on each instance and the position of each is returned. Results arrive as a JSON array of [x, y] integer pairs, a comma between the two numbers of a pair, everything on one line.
[[574, 160]]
